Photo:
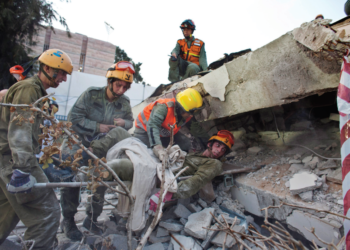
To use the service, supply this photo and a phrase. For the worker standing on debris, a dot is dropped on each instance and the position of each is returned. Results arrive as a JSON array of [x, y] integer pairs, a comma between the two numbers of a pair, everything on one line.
[[100, 112], [38, 209], [189, 49], [152, 124]]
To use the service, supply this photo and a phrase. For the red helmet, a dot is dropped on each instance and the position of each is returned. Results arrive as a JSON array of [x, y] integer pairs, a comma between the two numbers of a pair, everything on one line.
[[225, 137]]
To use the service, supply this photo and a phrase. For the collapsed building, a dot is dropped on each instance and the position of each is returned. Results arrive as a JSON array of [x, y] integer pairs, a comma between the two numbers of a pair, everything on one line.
[[279, 101]]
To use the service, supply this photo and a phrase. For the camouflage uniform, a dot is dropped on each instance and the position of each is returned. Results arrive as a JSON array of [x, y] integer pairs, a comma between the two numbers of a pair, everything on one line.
[[90, 110], [192, 68], [38, 210], [152, 136]]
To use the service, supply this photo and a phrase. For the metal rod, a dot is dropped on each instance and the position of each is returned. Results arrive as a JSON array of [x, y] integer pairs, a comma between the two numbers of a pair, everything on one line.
[[69, 184]]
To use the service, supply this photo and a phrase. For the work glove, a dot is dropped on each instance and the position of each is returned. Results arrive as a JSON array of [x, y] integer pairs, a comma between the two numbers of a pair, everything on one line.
[[20, 182], [153, 201], [159, 151]]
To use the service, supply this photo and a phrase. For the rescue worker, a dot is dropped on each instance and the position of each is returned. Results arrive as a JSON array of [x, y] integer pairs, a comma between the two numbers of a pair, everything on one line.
[[190, 49], [38, 209], [152, 124], [99, 112], [203, 167]]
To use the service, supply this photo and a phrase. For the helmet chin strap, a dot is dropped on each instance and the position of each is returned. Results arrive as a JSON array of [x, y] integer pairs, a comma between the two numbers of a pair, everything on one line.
[[110, 87], [51, 79]]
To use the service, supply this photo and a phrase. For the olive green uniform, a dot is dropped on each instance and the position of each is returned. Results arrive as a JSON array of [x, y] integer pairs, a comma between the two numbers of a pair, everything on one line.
[[154, 126], [192, 68], [90, 110], [39, 210]]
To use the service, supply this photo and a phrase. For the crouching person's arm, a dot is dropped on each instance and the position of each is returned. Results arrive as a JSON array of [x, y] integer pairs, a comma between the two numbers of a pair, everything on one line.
[[205, 173]]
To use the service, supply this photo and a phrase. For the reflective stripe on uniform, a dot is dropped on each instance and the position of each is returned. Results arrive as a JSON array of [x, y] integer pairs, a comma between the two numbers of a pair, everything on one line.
[[144, 120], [191, 54], [138, 123], [197, 44]]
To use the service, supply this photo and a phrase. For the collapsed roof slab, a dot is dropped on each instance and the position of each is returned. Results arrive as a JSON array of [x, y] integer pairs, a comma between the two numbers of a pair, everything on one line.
[[280, 72]]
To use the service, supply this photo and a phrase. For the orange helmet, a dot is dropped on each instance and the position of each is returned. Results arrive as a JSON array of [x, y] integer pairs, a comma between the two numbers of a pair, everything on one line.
[[17, 72], [122, 70], [225, 137]]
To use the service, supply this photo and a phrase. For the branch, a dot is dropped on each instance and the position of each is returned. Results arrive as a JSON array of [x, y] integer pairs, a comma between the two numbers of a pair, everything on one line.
[[178, 242]]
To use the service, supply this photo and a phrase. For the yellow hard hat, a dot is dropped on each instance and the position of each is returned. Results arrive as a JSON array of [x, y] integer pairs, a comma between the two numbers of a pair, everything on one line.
[[57, 59], [122, 70], [190, 99]]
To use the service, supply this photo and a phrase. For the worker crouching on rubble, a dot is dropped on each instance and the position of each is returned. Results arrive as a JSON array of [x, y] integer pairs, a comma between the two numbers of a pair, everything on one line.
[[202, 167], [38, 209], [100, 112], [152, 124], [191, 51]]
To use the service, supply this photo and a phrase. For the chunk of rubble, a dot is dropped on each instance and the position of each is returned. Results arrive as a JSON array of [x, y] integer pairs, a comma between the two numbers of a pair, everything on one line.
[[302, 182], [328, 164], [181, 211], [306, 196], [253, 150], [293, 161], [194, 208], [313, 163], [202, 203], [211, 234], [230, 241], [119, 242], [187, 242], [172, 227], [157, 246], [197, 223], [154, 239], [161, 232], [307, 159], [294, 168], [335, 176]]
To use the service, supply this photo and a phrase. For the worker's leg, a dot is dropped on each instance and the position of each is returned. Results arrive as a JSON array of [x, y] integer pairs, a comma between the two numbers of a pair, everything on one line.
[[69, 205], [8, 216], [125, 170], [174, 74], [100, 147], [142, 136], [39, 211], [180, 139], [191, 70]]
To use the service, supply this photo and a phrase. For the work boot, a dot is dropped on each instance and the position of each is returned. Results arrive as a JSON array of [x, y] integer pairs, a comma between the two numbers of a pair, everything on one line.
[[70, 229], [92, 227]]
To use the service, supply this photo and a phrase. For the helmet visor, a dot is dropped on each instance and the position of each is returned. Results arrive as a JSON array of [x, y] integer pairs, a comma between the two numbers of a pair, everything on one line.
[[123, 65]]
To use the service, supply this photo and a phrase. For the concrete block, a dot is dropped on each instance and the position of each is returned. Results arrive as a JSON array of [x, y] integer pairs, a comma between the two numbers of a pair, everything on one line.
[[327, 232], [202, 203], [156, 246], [306, 196], [335, 176], [193, 208], [294, 168], [183, 221], [302, 182], [187, 242], [210, 236], [248, 199], [181, 211], [119, 242], [328, 164], [313, 163], [197, 221], [219, 239], [161, 232], [229, 219], [154, 239], [172, 227], [293, 161], [307, 159], [253, 150], [207, 192]]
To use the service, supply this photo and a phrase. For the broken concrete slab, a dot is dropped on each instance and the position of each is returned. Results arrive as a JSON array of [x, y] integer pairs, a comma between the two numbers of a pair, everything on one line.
[[211, 234], [327, 232], [154, 239], [194, 208], [207, 192], [119, 242], [202, 203], [306, 196], [294, 168], [335, 176], [313, 163], [302, 182], [181, 211], [161, 232], [197, 221], [157, 246], [253, 150], [328, 164], [187, 242], [248, 199], [307, 159], [230, 241], [172, 227]]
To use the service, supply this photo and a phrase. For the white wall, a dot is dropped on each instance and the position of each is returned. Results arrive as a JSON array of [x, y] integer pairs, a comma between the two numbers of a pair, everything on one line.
[[68, 92]]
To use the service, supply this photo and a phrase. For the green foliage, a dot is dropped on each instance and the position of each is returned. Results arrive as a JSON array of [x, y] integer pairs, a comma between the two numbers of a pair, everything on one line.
[[20, 21], [120, 55]]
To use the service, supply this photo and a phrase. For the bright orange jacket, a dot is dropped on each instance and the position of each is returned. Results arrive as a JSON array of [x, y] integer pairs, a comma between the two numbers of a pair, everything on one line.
[[190, 54], [170, 119]]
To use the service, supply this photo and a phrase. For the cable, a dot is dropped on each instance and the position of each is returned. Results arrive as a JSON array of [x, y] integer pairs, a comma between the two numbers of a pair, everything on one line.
[[339, 159]]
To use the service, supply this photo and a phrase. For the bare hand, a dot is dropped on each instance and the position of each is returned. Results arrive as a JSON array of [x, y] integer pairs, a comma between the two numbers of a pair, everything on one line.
[[90, 149], [105, 128], [119, 122], [174, 55]]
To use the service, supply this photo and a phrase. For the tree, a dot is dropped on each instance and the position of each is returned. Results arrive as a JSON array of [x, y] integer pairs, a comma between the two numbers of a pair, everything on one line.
[[20, 21], [120, 55]]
